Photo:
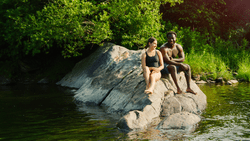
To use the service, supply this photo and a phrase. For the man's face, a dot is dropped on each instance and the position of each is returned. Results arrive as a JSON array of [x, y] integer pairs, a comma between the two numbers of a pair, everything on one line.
[[171, 39]]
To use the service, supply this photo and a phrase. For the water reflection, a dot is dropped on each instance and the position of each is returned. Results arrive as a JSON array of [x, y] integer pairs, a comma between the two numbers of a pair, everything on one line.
[[227, 114], [44, 112]]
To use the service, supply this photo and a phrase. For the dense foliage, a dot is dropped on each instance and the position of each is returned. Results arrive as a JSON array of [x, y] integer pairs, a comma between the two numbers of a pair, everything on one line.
[[31, 27], [218, 17]]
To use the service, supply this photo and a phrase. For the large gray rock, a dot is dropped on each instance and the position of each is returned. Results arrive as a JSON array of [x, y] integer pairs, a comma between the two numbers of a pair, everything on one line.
[[112, 77]]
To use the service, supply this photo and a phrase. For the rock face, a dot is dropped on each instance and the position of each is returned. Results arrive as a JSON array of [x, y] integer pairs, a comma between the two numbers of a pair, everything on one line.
[[112, 77]]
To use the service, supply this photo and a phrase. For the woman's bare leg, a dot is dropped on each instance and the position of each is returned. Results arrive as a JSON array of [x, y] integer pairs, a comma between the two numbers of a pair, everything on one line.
[[146, 75], [154, 77]]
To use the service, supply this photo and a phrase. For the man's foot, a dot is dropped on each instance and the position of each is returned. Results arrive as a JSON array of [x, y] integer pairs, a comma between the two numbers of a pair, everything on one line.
[[148, 91], [180, 92], [191, 91]]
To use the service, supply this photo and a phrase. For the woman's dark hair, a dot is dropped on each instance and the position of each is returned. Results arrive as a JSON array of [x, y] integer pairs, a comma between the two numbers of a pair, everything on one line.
[[150, 40], [171, 32]]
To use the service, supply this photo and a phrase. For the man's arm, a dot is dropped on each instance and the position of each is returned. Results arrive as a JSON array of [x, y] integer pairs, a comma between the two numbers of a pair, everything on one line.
[[163, 45], [167, 59], [181, 54]]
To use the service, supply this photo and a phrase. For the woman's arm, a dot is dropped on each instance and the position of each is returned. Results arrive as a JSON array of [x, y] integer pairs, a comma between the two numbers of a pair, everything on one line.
[[143, 61], [160, 60]]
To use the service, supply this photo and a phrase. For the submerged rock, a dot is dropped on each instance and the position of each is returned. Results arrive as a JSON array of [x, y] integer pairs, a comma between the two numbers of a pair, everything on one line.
[[112, 77], [183, 120], [43, 81], [4, 80]]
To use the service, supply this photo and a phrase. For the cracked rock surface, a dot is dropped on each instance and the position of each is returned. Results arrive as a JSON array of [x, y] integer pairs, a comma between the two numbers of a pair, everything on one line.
[[112, 77]]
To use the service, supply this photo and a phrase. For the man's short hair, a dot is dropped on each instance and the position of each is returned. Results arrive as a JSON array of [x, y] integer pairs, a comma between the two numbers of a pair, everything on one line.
[[171, 32]]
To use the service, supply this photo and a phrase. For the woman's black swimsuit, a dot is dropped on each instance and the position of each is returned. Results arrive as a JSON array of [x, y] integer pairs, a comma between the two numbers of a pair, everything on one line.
[[152, 61]]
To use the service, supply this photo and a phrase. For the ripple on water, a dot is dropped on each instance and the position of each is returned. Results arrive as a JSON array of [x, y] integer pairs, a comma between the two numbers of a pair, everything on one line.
[[227, 114]]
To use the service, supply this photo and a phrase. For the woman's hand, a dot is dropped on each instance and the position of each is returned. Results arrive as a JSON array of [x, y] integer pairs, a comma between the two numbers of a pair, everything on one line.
[[154, 69]]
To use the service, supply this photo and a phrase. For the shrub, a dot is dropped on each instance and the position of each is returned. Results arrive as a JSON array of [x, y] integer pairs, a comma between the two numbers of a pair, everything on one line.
[[70, 25]]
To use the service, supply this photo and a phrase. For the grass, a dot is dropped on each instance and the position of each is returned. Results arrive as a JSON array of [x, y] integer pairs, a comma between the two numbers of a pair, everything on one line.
[[207, 65], [220, 64], [219, 59], [244, 69]]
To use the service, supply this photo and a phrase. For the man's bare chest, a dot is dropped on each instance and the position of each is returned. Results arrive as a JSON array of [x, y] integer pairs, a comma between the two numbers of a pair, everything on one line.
[[172, 52]]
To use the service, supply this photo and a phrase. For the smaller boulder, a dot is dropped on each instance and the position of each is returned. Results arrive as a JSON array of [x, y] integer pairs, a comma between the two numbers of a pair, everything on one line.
[[183, 120], [133, 120], [230, 82], [200, 82], [43, 81]]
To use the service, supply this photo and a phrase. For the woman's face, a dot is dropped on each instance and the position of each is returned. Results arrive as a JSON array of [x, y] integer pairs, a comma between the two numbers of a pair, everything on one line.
[[153, 45]]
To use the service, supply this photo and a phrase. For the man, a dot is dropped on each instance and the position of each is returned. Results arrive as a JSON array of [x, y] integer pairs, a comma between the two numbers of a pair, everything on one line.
[[173, 57]]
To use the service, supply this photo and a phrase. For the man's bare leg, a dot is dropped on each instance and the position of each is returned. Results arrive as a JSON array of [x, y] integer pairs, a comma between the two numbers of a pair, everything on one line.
[[188, 79], [173, 71]]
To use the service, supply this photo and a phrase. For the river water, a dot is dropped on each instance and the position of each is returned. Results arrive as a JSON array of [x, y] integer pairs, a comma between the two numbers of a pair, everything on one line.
[[47, 112]]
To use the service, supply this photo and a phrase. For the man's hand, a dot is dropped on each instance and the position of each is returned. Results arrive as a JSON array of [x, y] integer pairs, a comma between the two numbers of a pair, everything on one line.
[[184, 67]]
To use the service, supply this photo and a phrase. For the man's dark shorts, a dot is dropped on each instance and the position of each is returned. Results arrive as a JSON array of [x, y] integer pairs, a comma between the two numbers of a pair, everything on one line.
[[165, 69]]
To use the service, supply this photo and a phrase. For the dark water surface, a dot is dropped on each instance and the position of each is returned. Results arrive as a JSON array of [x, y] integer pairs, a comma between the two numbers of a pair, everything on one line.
[[47, 112]]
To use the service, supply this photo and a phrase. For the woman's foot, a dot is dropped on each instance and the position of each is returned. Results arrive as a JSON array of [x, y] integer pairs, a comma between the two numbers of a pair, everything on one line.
[[148, 91], [191, 91]]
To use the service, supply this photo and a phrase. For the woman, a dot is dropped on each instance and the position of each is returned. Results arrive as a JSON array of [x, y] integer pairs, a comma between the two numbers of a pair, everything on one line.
[[152, 64]]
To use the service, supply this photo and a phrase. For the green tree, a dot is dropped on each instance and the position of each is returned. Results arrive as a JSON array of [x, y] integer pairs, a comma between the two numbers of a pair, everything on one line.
[[32, 27], [217, 17]]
